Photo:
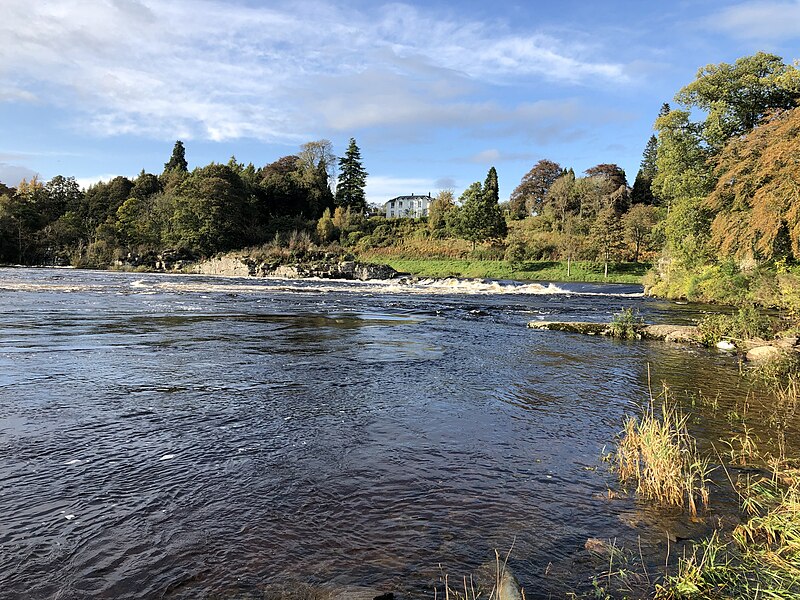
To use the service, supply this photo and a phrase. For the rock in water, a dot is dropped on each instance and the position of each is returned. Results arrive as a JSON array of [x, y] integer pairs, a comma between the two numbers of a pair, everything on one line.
[[726, 346], [509, 587], [764, 354]]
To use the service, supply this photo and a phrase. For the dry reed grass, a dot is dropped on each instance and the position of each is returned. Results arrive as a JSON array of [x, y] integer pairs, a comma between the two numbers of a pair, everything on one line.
[[656, 451]]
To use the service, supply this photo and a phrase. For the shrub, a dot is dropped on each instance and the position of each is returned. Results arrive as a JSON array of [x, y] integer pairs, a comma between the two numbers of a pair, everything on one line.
[[625, 323], [745, 324]]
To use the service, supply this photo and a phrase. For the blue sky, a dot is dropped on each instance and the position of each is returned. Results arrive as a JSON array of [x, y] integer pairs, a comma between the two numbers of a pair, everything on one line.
[[434, 92]]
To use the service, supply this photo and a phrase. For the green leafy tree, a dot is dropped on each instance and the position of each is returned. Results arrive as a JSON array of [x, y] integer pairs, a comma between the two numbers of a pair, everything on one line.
[[352, 179], [479, 218], [326, 230], [736, 97], [440, 207], [607, 236], [211, 211], [638, 225], [562, 199]]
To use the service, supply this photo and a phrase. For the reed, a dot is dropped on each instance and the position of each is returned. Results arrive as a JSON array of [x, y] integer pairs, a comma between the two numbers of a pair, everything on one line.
[[760, 558], [656, 451]]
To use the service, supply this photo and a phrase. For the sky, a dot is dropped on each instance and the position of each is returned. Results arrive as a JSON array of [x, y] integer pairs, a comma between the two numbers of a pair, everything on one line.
[[434, 92]]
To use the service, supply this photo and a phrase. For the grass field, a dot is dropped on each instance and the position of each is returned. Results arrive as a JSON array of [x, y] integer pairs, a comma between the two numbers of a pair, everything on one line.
[[501, 269]]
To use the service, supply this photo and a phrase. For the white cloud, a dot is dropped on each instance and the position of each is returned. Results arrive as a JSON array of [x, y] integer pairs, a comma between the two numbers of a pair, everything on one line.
[[766, 20], [213, 70]]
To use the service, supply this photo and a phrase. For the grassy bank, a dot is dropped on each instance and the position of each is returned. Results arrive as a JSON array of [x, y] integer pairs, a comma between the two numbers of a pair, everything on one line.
[[502, 269]]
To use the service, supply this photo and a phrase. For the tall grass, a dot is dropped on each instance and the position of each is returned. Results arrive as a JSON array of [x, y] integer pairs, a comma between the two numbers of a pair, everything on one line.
[[760, 558], [656, 452]]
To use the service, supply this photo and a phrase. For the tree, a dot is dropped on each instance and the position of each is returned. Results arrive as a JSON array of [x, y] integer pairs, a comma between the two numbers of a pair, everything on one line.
[[479, 218], [177, 162], [606, 233], [638, 224], [440, 206], [528, 197], [491, 187], [326, 230], [610, 174], [145, 185], [642, 192], [352, 179], [562, 199], [314, 154], [61, 194], [756, 201], [736, 97], [682, 166], [211, 211]]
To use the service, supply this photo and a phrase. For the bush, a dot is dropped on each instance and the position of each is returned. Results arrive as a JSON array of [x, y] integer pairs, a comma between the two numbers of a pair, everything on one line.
[[624, 324], [745, 324]]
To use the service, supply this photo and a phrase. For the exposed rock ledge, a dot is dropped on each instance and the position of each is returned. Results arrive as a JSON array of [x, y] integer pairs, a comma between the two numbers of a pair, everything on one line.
[[755, 351], [238, 267], [687, 334]]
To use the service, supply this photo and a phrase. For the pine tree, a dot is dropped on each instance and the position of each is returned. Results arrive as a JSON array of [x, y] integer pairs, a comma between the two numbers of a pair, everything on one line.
[[642, 194], [491, 187], [177, 161], [352, 179]]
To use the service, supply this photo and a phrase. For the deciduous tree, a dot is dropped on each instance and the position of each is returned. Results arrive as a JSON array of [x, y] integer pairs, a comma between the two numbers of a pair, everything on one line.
[[528, 197]]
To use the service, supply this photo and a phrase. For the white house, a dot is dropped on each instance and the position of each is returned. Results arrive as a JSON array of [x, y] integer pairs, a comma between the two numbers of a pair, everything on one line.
[[412, 206]]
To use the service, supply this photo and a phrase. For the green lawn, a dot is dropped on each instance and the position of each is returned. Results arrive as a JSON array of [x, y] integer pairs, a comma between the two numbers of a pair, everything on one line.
[[528, 271]]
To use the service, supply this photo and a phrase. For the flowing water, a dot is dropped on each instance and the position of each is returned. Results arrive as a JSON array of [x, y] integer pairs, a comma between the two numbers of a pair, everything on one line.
[[173, 436]]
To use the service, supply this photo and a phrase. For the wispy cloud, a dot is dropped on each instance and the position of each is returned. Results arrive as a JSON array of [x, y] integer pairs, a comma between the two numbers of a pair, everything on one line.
[[766, 20], [493, 156], [213, 70]]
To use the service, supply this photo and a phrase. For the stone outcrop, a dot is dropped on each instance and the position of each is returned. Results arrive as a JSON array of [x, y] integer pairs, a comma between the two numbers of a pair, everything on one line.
[[229, 266], [684, 334], [233, 266]]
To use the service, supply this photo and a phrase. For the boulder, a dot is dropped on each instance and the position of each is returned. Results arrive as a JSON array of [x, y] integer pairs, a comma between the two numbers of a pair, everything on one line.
[[764, 354], [684, 334]]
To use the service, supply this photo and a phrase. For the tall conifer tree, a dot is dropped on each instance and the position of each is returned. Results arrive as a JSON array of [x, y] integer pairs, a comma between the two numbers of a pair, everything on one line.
[[352, 179]]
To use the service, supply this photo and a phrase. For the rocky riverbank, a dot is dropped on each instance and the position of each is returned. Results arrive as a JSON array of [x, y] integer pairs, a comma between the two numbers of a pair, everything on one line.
[[754, 350], [325, 268]]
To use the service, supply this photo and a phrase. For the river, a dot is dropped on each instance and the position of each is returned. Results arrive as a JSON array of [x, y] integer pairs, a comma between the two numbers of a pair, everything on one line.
[[177, 436]]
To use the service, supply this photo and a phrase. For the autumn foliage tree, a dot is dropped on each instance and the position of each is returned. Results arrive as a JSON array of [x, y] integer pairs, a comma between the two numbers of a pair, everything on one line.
[[528, 197], [757, 197]]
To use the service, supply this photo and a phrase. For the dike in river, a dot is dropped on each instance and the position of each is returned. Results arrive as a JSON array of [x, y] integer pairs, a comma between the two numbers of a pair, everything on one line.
[[755, 351]]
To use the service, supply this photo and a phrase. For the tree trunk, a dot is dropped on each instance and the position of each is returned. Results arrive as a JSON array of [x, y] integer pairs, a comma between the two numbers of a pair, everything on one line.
[[569, 263]]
